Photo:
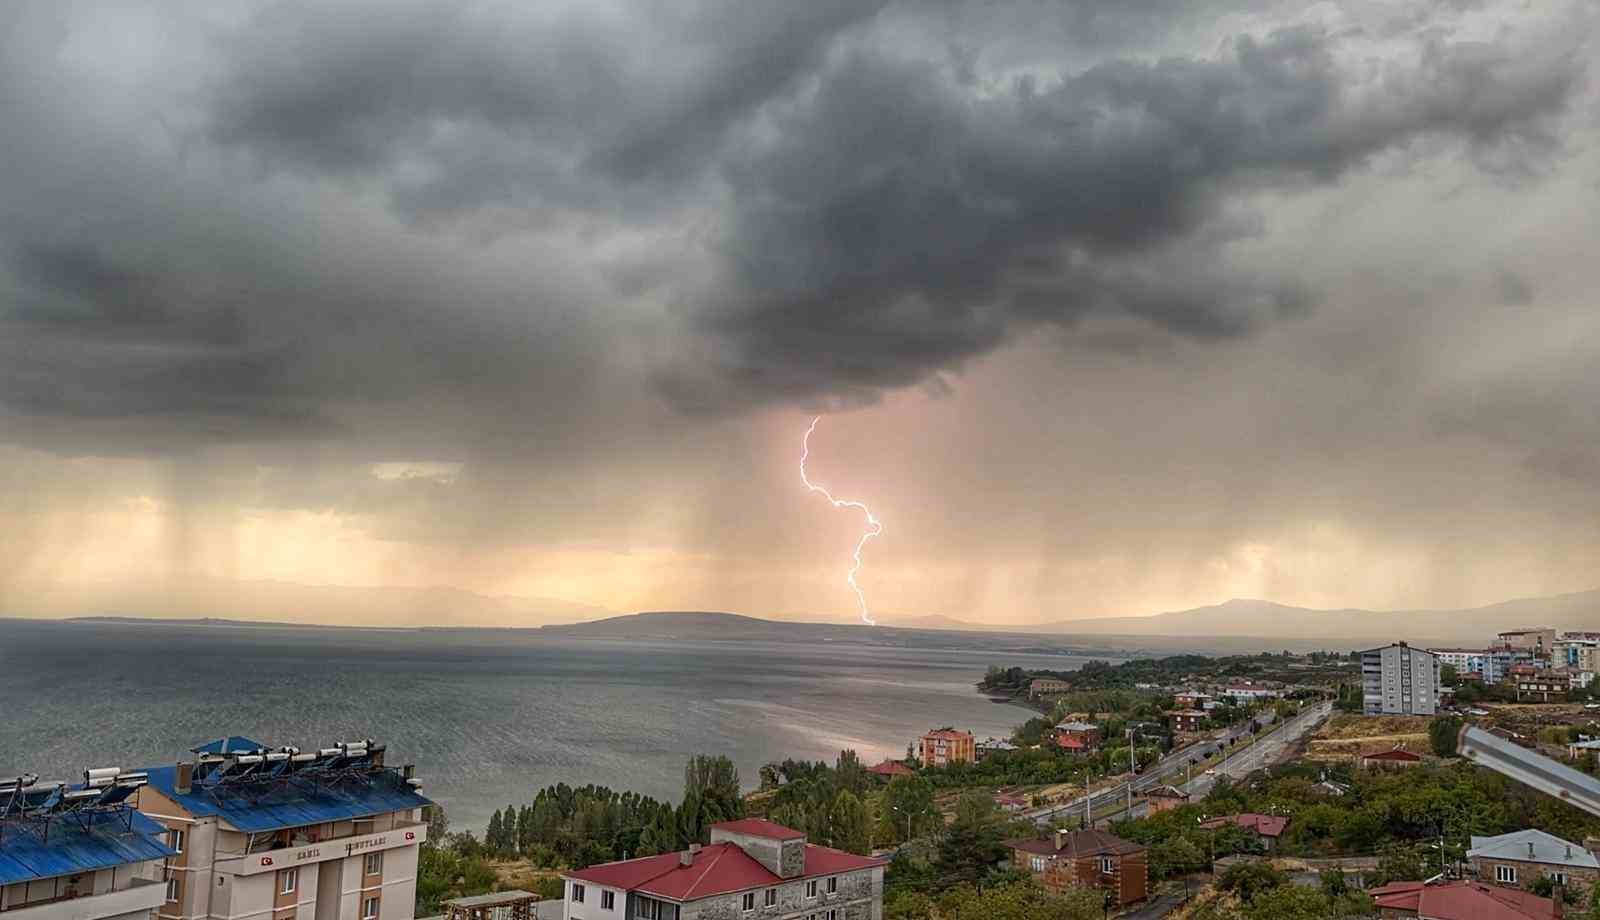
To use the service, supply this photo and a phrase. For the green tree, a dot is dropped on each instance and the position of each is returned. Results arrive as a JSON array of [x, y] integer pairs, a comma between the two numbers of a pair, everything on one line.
[[1398, 864], [1442, 732], [851, 824], [1250, 878], [1175, 856], [972, 842], [907, 809], [496, 829], [1017, 901], [715, 779]]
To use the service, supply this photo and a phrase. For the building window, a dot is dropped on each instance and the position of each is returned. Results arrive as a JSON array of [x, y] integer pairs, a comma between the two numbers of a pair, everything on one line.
[[1560, 878], [369, 909], [771, 897], [608, 900], [288, 879], [374, 863], [1505, 875], [1107, 864], [811, 888], [833, 884], [749, 900], [172, 891], [175, 839], [647, 909], [577, 893], [1036, 863]]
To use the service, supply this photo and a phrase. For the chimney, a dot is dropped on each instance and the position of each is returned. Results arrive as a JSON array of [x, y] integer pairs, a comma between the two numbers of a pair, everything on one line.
[[183, 783], [1530, 849], [1060, 838], [686, 858]]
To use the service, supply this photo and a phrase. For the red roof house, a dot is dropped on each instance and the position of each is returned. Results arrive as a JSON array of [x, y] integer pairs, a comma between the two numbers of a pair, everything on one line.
[[1071, 744], [1268, 828], [1461, 900], [889, 769], [750, 858], [1394, 758]]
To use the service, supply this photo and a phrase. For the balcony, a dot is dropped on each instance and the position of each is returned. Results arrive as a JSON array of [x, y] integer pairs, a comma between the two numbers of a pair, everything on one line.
[[140, 895]]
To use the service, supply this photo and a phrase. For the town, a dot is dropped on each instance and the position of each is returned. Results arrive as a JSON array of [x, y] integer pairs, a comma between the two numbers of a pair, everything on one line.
[[1397, 781]]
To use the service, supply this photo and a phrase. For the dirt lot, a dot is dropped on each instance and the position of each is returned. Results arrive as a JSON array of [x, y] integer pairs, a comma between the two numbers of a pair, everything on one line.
[[1347, 736]]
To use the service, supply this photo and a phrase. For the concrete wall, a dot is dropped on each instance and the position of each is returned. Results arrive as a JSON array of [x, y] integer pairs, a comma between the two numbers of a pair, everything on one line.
[[859, 897], [1528, 872]]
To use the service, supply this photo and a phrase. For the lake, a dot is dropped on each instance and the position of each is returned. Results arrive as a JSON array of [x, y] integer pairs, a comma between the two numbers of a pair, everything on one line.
[[488, 717]]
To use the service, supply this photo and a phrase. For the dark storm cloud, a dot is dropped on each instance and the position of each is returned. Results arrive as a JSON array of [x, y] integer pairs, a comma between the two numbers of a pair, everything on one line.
[[878, 212], [836, 198]]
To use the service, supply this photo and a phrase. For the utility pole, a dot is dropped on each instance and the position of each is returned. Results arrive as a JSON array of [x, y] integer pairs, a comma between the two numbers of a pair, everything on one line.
[[1130, 772]]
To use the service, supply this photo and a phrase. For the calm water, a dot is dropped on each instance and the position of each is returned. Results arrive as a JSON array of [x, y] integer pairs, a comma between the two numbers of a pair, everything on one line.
[[487, 717]]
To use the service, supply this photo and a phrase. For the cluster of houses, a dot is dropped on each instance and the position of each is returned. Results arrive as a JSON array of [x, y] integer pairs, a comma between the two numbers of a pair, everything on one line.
[[1541, 663]]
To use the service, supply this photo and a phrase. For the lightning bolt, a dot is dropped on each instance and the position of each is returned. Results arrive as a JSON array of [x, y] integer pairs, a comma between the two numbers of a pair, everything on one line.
[[875, 526]]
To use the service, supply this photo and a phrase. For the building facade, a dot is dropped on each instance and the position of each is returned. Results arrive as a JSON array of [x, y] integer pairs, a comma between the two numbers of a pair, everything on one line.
[[1540, 640], [1186, 720], [1044, 686], [80, 851], [946, 746], [752, 870], [1085, 859], [275, 834], [1399, 680], [1518, 859]]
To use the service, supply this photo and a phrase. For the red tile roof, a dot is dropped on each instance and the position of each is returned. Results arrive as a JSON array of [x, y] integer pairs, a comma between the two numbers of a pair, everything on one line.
[[1396, 755], [1464, 900], [1071, 743], [948, 734], [1265, 825], [891, 768], [721, 868], [758, 827]]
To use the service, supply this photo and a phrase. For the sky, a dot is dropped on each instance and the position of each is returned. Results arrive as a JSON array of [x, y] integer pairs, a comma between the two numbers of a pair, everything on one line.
[[1108, 308]]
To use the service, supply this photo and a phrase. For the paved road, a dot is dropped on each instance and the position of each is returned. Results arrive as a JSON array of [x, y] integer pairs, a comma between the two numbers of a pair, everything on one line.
[[1156, 908], [1162, 771], [1263, 752]]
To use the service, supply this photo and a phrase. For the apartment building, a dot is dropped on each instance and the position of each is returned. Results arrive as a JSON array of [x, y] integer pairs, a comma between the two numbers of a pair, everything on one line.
[[79, 851], [1186, 720], [262, 833], [1399, 680], [1579, 651], [1539, 640], [1045, 686], [753, 869], [1085, 859], [946, 746], [1250, 692]]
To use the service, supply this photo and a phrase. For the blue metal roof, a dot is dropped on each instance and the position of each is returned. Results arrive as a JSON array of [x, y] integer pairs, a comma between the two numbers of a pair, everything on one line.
[[230, 743], [285, 805], [103, 841]]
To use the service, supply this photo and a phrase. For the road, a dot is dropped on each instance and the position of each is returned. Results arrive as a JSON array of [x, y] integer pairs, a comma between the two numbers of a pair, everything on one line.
[[1262, 753], [1161, 772]]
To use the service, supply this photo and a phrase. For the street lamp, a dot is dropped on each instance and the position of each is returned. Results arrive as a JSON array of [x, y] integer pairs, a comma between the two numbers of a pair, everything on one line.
[[909, 814]]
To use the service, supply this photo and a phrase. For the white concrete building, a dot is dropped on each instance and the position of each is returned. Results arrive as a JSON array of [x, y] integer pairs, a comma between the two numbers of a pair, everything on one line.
[[1399, 680], [274, 834], [78, 852]]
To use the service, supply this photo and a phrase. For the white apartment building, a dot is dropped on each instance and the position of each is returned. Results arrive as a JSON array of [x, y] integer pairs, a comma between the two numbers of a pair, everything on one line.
[[275, 834], [1399, 680], [78, 852]]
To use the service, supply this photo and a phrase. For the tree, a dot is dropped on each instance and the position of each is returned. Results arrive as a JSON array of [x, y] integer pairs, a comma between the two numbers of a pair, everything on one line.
[[1174, 856], [972, 842], [851, 824], [1442, 732], [1250, 878], [1016, 901], [849, 773], [716, 780], [769, 777], [496, 829], [1398, 864], [907, 808], [1293, 902]]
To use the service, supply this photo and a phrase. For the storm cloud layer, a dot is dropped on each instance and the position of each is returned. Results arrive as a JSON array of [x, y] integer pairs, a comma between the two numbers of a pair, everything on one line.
[[492, 279]]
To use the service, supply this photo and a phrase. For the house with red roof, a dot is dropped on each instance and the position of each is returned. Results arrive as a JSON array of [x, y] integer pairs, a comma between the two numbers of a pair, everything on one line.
[[1266, 828], [889, 769], [752, 869], [1085, 859], [1396, 759], [1460, 900]]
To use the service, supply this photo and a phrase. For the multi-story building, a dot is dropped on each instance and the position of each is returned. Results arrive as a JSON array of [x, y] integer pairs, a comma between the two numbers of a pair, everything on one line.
[[1399, 680], [1577, 650], [753, 870], [1190, 699], [1249, 691], [1519, 858], [1464, 660], [1086, 732], [1539, 640], [1045, 686], [1541, 685], [276, 834], [80, 851], [946, 746], [1085, 859], [1186, 720]]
